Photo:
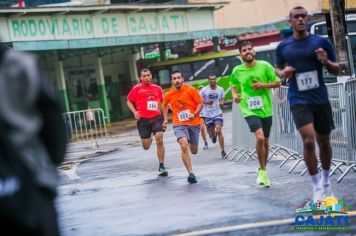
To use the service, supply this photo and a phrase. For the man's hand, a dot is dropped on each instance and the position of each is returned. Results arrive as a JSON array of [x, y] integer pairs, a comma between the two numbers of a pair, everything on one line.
[[237, 98], [258, 85], [137, 115], [287, 72], [322, 55], [209, 102], [164, 125], [192, 116]]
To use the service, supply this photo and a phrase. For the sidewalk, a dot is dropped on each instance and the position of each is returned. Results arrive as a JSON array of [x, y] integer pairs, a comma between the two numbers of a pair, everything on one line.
[[120, 128]]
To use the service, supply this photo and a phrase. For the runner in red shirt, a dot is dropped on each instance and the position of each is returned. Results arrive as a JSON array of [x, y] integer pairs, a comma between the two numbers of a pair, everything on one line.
[[144, 101]]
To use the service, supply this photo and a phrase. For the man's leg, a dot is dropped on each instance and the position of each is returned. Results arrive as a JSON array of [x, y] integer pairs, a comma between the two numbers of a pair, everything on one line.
[[184, 147], [262, 153], [203, 133], [260, 148], [160, 146], [146, 143], [325, 152], [308, 136], [307, 133], [266, 146], [218, 128]]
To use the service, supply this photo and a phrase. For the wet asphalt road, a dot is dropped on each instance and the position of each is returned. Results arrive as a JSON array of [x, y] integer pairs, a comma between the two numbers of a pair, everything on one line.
[[115, 190]]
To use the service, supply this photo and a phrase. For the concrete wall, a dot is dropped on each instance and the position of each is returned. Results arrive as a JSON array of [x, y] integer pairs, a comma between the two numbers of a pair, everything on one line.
[[244, 13]]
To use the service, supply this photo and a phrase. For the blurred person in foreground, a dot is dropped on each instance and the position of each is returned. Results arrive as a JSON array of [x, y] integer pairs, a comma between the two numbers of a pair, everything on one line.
[[32, 142], [300, 61]]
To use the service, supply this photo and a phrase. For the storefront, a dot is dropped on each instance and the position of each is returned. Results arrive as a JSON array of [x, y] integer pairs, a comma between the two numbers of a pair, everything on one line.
[[90, 52]]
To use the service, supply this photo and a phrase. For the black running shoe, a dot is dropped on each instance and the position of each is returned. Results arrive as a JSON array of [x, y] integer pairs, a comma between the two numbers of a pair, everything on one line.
[[223, 154], [162, 171], [213, 139], [192, 179]]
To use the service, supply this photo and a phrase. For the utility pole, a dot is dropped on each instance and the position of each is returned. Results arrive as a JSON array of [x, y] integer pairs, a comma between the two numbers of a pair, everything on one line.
[[337, 15]]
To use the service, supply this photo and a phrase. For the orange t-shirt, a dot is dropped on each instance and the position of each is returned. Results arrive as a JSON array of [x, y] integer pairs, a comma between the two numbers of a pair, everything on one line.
[[182, 102]]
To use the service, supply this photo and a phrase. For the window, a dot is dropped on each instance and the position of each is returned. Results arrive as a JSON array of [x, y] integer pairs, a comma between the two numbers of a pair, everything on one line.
[[269, 56], [227, 64], [164, 77], [186, 70], [202, 69]]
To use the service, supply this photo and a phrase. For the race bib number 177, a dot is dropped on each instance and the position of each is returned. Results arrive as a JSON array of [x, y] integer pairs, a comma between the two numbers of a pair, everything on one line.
[[307, 80]]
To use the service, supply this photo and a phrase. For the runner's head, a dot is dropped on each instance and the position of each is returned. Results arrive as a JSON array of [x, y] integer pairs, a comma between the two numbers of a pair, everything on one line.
[[177, 79], [247, 52], [298, 18], [212, 80], [145, 76]]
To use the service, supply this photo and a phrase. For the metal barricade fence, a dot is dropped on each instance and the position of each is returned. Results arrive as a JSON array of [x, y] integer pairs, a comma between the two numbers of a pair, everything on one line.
[[349, 154], [85, 125], [242, 139], [285, 138]]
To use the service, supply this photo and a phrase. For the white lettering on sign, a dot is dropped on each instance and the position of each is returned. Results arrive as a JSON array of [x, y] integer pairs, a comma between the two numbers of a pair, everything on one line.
[[84, 26]]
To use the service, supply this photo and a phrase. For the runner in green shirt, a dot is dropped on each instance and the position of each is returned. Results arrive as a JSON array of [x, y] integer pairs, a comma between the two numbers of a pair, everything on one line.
[[250, 86]]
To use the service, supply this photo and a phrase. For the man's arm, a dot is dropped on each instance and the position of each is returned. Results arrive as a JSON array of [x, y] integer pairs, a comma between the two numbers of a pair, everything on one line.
[[332, 67], [165, 115], [258, 85], [235, 95], [131, 106], [284, 72]]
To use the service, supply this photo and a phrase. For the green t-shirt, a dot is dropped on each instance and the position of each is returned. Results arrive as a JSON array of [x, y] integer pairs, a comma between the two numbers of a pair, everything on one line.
[[254, 102]]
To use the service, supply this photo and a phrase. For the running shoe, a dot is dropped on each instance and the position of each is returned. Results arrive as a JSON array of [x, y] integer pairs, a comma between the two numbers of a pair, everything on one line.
[[205, 146], [327, 192], [265, 179], [318, 193], [192, 179], [213, 139], [223, 153], [259, 178], [162, 171]]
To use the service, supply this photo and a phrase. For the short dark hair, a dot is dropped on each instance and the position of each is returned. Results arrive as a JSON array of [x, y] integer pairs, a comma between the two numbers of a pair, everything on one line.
[[296, 8], [175, 72], [245, 43], [144, 70], [212, 74]]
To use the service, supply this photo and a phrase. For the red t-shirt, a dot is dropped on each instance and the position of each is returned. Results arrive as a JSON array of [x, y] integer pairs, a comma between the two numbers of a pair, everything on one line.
[[147, 99]]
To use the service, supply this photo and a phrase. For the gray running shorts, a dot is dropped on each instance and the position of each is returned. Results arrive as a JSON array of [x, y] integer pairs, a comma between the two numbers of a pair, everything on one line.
[[188, 131]]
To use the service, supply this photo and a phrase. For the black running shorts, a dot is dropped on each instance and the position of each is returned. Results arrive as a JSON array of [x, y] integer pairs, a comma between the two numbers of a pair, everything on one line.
[[320, 115], [255, 123], [148, 126]]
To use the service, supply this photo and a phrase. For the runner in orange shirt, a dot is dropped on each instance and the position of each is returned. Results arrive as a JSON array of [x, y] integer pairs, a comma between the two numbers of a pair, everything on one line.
[[186, 104]]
